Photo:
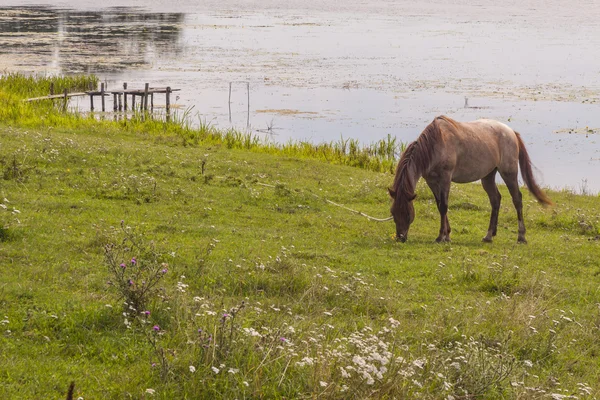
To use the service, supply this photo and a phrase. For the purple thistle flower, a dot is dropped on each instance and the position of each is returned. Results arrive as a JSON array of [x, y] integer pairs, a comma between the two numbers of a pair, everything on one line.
[[146, 313], [133, 261], [123, 265], [164, 271], [153, 365], [156, 328], [130, 282], [283, 339]]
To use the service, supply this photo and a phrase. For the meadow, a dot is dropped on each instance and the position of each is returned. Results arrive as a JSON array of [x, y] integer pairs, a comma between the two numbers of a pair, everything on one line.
[[141, 259]]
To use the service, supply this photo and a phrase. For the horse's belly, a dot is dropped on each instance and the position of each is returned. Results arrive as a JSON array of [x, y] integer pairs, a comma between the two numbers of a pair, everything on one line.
[[472, 173]]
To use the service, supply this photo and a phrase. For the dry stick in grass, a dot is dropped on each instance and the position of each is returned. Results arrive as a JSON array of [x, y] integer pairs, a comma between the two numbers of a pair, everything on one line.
[[338, 205], [284, 371]]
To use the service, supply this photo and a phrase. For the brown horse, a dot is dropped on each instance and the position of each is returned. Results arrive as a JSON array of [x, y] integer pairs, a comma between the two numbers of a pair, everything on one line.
[[450, 151]]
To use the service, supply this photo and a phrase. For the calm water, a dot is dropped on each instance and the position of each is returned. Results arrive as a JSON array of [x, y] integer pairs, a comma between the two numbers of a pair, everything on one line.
[[318, 70]]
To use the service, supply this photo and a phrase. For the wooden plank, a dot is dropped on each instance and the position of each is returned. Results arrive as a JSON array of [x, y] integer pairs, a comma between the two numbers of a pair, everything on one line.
[[56, 96]]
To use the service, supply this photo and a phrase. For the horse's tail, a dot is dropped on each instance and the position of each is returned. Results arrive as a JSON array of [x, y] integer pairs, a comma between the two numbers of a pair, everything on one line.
[[527, 174]]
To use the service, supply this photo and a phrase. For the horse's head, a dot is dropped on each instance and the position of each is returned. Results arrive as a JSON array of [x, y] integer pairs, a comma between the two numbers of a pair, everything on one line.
[[403, 213]]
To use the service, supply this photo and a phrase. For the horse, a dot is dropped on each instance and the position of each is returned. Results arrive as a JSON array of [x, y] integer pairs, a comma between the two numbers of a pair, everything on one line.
[[450, 151]]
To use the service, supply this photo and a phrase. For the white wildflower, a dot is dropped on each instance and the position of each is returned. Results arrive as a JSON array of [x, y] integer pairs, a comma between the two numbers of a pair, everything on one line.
[[150, 391], [192, 369], [215, 370], [233, 371], [323, 384]]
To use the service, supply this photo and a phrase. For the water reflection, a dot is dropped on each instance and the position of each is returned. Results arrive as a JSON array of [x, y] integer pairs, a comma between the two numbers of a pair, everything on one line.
[[74, 41]]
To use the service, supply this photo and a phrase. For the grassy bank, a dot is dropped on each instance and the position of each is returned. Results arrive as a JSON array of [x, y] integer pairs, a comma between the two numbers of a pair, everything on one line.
[[270, 291], [139, 262], [380, 156]]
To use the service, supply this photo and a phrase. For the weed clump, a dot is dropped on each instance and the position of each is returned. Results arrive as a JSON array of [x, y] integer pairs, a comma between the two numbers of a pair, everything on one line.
[[135, 268]]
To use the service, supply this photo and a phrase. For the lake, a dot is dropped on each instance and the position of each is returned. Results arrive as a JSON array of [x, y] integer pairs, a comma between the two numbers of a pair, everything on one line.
[[319, 70]]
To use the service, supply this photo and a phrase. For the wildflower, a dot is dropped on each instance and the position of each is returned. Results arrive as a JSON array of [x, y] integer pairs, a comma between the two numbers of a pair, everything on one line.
[[345, 373], [153, 365], [215, 370], [150, 391], [130, 282], [133, 261], [283, 339], [156, 328], [245, 383], [164, 271], [146, 313], [233, 371], [323, 384], [192, 369], [123, 266]]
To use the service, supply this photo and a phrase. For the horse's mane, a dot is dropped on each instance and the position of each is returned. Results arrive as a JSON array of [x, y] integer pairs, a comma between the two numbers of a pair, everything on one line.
[[418, 155]]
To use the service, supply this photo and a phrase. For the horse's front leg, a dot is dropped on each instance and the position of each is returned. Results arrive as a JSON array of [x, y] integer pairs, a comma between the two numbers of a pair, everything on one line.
[[441, 192], [444, 235]]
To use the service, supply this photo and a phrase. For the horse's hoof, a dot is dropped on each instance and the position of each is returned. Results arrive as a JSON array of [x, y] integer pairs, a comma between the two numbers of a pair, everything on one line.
[[486, 240], [521, 241]]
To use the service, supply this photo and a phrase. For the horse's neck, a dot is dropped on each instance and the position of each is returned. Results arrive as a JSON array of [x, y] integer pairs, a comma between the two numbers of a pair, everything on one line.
[[412, 174]]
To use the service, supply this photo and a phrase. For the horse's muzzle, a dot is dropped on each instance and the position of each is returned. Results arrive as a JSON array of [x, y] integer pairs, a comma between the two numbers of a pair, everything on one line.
[[401, 238]]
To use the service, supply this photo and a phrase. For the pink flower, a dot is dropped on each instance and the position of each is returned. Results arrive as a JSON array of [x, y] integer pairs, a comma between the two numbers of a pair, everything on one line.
[[156, 328]]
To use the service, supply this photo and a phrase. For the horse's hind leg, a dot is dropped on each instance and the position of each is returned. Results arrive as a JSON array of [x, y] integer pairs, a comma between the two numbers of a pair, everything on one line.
[[489, 185], [512, 184]]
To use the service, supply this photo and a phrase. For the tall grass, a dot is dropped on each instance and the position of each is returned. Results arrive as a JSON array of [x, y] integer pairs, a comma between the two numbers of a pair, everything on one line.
[[380, 156]]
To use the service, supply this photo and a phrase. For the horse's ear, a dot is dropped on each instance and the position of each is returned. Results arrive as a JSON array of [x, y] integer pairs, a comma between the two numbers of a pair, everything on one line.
[[411, 198], [392, 193]]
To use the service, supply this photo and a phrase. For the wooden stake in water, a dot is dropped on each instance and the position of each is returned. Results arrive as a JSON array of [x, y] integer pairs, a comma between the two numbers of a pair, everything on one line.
[[66, 99], [125, 95], [248, 90], [229, 102], [102, 96]]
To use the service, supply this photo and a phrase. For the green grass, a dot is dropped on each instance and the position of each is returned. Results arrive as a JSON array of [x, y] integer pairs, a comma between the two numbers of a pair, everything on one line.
[[499, 320], [319, 302]]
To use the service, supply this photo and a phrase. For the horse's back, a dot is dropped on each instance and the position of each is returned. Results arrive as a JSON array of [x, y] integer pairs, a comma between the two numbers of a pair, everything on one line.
[[478, 147]]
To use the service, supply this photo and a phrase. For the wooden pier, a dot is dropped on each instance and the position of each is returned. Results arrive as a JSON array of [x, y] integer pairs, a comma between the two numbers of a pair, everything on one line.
[[120, 97]]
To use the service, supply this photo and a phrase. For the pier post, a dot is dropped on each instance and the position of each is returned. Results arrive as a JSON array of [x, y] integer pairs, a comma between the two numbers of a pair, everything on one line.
[[146, 86], [168, 103], [65, 101], [91, 98]]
